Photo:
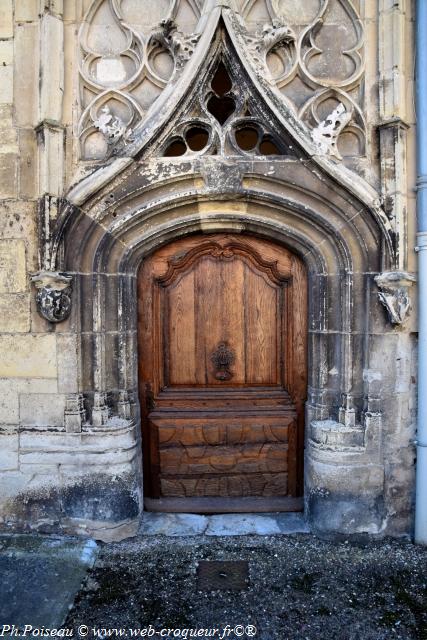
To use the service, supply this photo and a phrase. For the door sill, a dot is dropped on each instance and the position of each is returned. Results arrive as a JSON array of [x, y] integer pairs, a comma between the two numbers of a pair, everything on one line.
[[224, 505]]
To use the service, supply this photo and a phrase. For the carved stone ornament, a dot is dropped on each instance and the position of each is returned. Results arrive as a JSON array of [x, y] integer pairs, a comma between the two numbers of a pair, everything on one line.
[[394, 294], [180, 46], [272, 37], [53, 297], [325, 135], [112, 127], [222, 359]]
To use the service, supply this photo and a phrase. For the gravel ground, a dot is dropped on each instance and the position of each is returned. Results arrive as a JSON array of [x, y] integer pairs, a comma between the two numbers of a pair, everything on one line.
[[300, 588]]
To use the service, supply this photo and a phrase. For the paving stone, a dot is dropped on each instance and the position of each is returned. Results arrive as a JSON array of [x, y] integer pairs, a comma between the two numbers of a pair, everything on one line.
[[40, 577], [227, 524], [173, 524], [231, 524]]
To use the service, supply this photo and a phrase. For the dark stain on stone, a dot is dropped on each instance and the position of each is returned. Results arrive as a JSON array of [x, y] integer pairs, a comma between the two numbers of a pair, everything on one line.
[[100, 498]]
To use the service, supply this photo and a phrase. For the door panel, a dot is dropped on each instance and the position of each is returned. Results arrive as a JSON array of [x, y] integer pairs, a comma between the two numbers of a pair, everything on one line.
[[222, 369]]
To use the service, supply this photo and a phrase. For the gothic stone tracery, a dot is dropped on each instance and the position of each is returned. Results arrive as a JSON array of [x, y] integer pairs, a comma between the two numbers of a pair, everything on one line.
[[312, 53]]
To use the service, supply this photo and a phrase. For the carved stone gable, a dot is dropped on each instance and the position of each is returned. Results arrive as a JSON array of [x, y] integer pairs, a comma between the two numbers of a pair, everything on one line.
[[224, 117], [310, 53]]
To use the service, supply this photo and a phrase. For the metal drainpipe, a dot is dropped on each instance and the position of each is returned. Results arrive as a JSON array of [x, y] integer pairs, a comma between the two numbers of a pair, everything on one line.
[[421, 111]]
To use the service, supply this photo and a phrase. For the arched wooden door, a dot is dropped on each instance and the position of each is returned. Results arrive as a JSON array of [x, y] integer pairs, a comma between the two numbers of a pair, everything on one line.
[[222, 370]]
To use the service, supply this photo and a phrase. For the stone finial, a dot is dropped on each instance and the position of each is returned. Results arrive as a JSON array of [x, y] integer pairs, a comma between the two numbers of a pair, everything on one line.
[[394, 294], [325, 135], [53, 296]]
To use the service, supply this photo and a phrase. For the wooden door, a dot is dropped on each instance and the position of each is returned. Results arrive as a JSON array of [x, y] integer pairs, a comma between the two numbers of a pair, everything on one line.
[[222, 371]]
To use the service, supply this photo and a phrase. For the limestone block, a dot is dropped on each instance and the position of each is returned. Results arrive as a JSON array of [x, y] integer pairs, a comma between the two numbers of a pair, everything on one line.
[[9, 402], [52, 68], [91, 441], [78, 470], [45, 409], [8, 134], [13, 274], [6, 52], [6, 19], [51, 159], [336, 436], [393, 47], [26, 10], [18, 220], [67, 363], [9, 395], [14, 312], [78, 458], [26, 75], [6, 83], [28, 356], [69, 72], [8, 174], [49, 440], [9, 444], [27, 163]]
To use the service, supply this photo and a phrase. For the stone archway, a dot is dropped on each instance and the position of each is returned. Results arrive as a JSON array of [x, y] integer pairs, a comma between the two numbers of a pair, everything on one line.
[[105, 241], [287, 188]]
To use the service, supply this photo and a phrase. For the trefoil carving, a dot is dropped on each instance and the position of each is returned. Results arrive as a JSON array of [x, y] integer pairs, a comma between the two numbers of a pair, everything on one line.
[[53, 296], [290, 53], [224, 122]]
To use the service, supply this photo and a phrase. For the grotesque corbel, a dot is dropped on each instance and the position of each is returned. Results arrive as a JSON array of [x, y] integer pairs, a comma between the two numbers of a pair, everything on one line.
[[53, 296], [394, 294]]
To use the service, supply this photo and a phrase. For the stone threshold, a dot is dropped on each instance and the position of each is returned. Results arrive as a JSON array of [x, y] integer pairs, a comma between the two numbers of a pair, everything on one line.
[[226, 524]]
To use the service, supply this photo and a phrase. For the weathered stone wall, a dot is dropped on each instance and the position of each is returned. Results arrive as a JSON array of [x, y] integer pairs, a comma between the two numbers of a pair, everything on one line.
[[47, 477], [70, 450]]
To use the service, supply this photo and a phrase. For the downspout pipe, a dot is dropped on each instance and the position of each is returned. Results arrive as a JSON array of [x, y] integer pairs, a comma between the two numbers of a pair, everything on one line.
[[421, 133]]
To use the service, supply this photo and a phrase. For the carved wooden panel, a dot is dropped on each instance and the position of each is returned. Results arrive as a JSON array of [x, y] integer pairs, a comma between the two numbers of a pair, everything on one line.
[[226, 302], [222, 368], [242, 486], [236, 429]]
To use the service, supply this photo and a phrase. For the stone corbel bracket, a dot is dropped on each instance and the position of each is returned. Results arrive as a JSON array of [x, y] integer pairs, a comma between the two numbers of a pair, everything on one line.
[[53, 296], [394, 294]]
